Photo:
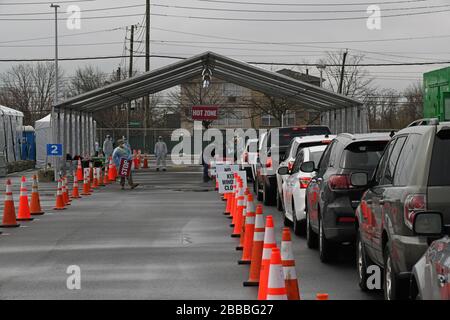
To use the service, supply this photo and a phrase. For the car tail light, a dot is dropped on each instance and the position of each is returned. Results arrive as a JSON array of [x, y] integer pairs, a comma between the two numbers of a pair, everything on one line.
[[269, 163], [339, 182], [290, 165], [326, 141], [304, 181], [413, 204]]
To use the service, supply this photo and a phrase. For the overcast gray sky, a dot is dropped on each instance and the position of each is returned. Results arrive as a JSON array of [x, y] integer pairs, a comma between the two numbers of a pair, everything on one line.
[[179, 25]]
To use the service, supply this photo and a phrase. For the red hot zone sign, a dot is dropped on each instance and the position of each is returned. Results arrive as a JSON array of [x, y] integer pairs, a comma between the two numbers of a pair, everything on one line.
[[204, 113]]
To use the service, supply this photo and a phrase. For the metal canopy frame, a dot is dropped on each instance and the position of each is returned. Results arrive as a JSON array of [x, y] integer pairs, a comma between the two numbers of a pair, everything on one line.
[[74, 126], [222, 67]]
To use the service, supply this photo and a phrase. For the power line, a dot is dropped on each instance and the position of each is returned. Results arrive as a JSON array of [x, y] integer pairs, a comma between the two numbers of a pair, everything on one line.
[[234, 10], [65, 35], [238, 19], [42, 2], [311, 4], [395, 64]]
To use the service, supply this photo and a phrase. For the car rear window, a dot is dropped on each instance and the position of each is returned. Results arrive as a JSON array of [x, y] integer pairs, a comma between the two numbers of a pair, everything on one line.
[[252, 146], [287, 134], [440, 160], [363, 155]]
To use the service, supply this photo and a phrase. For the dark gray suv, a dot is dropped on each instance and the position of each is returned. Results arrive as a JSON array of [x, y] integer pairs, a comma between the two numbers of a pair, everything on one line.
[[413, 176], [331, 199]]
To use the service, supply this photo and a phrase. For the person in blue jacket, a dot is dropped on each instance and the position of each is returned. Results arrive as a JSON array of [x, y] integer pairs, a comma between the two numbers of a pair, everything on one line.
[[123, 152]]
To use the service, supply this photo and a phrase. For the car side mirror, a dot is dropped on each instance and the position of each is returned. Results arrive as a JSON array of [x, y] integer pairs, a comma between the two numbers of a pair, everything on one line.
[[308, 167], [359, 179], [428, 223], [283, 171]]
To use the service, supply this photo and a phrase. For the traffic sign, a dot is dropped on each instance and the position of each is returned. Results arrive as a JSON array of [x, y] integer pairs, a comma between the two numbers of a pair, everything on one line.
[[54, 150], [204, 113], [226, 180]]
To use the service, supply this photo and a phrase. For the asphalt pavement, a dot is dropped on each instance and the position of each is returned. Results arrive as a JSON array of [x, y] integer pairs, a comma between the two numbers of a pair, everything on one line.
[[166, 239]]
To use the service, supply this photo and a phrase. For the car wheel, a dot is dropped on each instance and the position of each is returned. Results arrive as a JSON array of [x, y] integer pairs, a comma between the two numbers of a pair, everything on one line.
[[393, 289], [361, 263], [258, 192], [299, 226], [325, 246], [279, 202], [311, 236]]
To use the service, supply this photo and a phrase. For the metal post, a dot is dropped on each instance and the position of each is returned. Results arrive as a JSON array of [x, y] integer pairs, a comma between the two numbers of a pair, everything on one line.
[[55, 6]]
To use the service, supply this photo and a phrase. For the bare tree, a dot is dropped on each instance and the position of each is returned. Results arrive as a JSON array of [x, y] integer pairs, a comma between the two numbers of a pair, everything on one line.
[[30, 89], [356, 79], [193, 93], [413, 107]]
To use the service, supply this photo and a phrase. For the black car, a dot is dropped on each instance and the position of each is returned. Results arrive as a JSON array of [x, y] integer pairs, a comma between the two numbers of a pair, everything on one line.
[[267, 165], [331, 199]]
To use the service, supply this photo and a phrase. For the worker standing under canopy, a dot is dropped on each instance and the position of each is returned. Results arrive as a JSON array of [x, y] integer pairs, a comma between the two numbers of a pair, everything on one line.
[[108, 147], [160, 153]]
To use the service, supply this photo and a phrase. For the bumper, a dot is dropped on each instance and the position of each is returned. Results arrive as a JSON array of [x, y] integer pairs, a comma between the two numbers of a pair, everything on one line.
[[406, 251], [339, 221]]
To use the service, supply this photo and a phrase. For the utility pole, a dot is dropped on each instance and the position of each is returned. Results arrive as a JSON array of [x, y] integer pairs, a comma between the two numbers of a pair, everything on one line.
[[55, 127], [56, 52], [341, 82], [147, 66], [130, 74]]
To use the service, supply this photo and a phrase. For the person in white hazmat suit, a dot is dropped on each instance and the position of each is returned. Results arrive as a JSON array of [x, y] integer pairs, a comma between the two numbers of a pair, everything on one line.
[[160, 153]]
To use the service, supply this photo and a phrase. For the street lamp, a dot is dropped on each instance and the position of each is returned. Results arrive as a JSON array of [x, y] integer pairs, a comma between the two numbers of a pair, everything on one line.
[[321, 68]]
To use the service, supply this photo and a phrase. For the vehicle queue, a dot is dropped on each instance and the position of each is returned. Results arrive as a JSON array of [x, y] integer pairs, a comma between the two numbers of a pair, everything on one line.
[[385, 194]]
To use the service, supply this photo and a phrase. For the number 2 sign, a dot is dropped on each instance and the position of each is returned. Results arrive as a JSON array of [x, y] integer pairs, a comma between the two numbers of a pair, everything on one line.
[[54, 150]]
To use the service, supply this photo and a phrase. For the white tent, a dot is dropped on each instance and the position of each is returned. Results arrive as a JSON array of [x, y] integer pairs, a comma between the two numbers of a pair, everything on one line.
[[11, 125], [43, 131]]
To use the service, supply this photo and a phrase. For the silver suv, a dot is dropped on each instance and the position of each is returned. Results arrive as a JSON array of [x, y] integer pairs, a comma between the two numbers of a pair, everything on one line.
[[412, 176]]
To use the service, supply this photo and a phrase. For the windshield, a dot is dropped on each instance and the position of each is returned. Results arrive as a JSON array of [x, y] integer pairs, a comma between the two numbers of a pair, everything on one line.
[[315, 156]]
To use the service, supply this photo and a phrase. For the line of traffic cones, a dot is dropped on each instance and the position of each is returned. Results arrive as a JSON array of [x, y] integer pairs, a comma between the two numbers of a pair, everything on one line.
[[272, 269], [32, 207]]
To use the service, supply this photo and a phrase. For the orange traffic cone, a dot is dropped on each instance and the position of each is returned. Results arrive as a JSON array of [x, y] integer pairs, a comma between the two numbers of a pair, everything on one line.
[[288, 262], [240, 247], [257, 249], [95, 178], [233, 201], [86, 188], [322, 296], [79, 170], [269, 244], [145, 162], [248, 233], [112, 171], [59, 197], [75, 191], [35, 204], [105, 176], [24, 213], [276, 289], [238, 217], [65, 192], [9, 212], [239, 195], [91, 172]]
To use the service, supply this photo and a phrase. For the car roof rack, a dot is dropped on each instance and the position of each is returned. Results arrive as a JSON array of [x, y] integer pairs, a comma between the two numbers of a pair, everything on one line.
[[424, 122]]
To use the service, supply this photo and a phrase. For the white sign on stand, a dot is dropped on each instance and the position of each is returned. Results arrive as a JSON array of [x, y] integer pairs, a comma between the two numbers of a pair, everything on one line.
[[226, 180], [221, 168]]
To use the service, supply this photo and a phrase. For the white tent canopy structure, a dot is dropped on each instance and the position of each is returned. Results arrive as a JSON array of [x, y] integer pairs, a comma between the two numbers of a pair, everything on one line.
[[11, 125], [339, 112]]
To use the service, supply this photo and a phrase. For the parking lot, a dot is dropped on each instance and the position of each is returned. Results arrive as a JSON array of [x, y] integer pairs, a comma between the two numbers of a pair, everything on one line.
[[167, 238]]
